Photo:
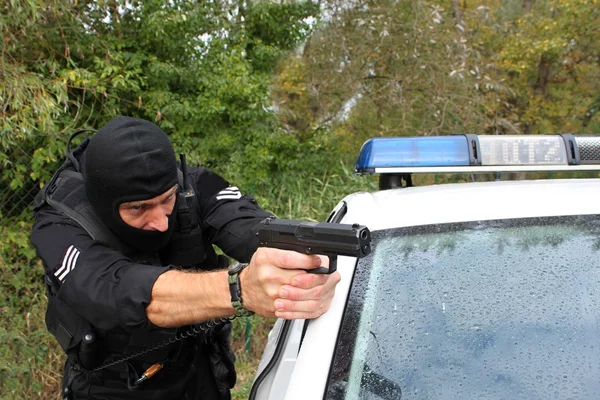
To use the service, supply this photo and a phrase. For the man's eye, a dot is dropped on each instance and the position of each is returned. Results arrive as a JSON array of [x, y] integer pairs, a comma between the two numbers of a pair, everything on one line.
[[136, 209]]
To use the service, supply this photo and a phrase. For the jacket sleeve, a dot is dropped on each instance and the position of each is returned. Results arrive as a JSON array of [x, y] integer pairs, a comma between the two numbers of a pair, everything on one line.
[[230, 218], [94, 280]]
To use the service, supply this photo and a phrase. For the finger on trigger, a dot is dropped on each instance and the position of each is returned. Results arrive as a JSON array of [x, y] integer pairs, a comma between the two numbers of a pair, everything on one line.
[[307, 281], [288, 259], [324, 261]]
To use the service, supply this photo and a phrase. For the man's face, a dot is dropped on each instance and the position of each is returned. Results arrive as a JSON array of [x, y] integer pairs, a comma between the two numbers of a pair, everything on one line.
[[152, 214]]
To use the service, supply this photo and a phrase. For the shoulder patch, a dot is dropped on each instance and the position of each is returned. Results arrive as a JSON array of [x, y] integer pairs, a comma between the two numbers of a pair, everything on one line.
[[229, 193], [68, 263]]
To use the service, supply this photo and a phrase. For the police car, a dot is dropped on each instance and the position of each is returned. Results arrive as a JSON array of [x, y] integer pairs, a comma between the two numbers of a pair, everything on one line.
[[482, 290]]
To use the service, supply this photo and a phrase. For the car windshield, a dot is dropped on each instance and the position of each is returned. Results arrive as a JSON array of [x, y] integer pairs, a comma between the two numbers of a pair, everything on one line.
[[487, 310]]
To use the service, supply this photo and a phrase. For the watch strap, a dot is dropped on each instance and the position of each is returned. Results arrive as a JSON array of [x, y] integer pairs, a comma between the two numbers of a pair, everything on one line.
[[235, 289]]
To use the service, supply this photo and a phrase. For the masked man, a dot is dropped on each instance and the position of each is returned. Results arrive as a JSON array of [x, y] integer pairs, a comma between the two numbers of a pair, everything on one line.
[[138, 298]]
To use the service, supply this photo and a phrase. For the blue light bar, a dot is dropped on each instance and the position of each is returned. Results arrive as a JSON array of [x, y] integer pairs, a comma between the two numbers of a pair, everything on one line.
[[429, 151], [479, 153]]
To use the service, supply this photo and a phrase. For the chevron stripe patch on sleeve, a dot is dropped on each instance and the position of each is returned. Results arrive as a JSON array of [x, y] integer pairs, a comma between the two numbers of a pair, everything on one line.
[[68, 263], [230, 193]]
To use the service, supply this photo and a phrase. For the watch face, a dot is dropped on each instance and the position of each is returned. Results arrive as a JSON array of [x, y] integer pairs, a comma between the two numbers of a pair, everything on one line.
[[236, 267]]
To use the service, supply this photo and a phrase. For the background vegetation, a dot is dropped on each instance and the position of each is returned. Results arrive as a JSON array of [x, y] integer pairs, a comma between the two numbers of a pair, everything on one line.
[[276, 96]]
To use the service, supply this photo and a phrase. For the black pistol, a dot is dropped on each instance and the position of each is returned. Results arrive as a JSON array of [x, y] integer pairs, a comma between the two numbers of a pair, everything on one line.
[[324, 238]]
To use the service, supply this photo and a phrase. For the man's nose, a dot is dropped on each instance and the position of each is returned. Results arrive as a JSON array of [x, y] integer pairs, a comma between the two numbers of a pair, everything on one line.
[[159, 220]]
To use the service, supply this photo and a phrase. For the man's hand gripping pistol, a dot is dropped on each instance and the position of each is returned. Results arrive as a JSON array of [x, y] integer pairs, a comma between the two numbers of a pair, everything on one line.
[[324, 238]]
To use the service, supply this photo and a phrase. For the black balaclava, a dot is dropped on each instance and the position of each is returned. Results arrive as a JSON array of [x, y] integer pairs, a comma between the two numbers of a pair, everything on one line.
[[129, 159]]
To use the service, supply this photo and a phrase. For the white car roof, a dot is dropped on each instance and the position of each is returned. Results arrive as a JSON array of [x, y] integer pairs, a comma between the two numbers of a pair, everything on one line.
[[463, 202]]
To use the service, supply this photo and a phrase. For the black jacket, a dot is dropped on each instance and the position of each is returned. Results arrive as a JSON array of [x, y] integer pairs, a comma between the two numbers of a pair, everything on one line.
[[110, 288]]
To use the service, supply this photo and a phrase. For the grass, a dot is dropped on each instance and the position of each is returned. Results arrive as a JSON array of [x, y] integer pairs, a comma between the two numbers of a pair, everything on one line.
[[31, 363]]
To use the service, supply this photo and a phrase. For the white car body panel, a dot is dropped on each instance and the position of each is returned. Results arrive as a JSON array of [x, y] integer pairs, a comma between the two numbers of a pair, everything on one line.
[[462, 202], [277, 383], [416, 206], [320, 347]]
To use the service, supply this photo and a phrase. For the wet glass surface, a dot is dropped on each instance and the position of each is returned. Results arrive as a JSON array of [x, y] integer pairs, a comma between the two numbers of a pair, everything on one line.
[[487, 310]]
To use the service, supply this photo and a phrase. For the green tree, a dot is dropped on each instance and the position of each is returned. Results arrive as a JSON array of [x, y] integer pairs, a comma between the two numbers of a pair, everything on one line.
[[433, 67], [386, 68], [550, 60], [201, 70]]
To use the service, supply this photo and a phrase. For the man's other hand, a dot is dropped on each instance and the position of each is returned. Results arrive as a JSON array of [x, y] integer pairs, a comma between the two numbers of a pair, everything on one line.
[[276, 283]]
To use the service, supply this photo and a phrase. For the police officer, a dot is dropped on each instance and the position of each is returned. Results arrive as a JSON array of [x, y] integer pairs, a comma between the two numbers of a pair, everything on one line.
[[138, 297]]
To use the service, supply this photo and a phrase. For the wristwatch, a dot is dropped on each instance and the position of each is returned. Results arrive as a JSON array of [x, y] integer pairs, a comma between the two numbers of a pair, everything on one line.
[[236, 290]]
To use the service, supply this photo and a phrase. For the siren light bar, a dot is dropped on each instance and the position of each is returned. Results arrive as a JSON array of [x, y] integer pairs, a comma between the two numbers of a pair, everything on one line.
[[479, 153]]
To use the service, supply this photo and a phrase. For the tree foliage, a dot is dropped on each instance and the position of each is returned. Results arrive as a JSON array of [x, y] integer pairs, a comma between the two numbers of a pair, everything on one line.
[[551, 57], [431, 67], [201, 70]]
